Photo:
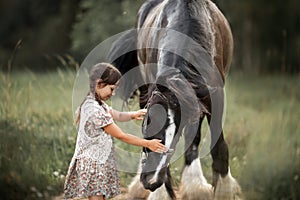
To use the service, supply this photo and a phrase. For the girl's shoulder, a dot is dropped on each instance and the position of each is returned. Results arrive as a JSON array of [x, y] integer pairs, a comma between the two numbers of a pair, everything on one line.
[[91, 104]]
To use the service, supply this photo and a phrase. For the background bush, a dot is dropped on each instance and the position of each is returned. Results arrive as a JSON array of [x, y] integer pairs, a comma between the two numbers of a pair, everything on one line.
[[266, 33]]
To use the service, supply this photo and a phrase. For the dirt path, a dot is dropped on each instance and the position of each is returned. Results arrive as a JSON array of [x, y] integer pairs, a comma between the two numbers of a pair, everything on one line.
[[122, 196], [119, 197]]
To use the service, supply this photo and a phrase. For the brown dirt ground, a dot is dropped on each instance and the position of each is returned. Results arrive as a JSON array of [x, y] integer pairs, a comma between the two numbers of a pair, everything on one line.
[[122, 196]]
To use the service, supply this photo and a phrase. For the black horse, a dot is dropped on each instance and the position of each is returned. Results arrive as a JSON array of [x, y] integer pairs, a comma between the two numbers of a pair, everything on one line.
[[183, 49]]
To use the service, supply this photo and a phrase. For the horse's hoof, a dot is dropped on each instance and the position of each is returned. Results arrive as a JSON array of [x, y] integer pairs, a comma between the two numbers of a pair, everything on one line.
[[228, 189], [136, 190], [197, 192]]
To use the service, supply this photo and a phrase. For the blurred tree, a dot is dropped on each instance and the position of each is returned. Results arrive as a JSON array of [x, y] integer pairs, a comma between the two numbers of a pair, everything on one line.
[[42, 25], [279, 35], [99, 19], [266, 33]]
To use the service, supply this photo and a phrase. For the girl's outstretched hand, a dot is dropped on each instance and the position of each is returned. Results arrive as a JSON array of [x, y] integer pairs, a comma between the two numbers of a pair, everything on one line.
[[156, 146], [139, 114]]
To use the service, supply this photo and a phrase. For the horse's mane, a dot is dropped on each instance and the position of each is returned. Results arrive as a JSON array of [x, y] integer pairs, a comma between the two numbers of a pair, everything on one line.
[[197, 64], [145, 9], [123, 55], [188, 54], [193, 55]]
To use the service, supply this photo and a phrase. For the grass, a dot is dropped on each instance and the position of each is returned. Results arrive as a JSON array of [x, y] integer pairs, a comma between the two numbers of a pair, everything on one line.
[[37, 136], [37, 133], [263, 134], [262, 130]]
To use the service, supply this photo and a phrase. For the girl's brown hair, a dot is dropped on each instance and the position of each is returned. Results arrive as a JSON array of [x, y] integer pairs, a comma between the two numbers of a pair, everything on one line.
[[107, 73]]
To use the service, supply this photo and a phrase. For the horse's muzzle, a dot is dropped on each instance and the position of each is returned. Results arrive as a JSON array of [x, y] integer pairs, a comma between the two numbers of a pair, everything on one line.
[[151, 183]]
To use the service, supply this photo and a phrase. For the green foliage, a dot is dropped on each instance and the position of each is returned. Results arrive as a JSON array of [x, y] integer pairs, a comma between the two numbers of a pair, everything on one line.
[[262, 114], [37, 133], [99, 20], [34, 156], [42, 25], [266, 34]]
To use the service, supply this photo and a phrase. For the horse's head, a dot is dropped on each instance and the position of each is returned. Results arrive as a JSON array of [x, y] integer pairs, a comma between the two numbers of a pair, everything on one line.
[[161, 122]]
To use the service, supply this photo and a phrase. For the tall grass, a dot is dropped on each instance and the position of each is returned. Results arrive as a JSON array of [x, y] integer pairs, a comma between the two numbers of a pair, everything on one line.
[[37, 136], [263, 123]]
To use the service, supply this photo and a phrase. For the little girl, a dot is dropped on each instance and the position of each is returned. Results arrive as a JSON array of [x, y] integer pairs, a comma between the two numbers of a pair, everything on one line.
[[92, 172]]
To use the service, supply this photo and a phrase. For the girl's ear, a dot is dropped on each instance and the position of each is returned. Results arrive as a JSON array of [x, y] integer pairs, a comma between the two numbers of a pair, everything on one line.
[[99, 81], [99, 84]]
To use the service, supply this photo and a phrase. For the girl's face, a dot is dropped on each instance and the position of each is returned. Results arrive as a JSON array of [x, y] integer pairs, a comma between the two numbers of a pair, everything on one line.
[[104, 92]]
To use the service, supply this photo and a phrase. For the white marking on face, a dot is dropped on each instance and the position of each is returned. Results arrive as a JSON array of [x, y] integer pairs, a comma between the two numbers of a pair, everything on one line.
[[170, 132], [162, 161]]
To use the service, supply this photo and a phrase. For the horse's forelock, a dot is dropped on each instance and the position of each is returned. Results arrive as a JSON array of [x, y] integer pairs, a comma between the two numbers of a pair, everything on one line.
[[186, 97]]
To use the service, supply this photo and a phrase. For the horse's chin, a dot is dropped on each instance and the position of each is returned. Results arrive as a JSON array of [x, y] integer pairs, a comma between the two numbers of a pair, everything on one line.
[[149, 183]]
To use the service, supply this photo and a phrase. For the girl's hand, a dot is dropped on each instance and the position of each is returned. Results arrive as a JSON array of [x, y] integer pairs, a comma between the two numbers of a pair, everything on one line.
[[138, 114], [156, 146]]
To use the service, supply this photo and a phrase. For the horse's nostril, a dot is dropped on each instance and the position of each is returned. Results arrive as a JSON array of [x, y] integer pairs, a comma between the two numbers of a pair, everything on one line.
[[152, 187], [150, 183]]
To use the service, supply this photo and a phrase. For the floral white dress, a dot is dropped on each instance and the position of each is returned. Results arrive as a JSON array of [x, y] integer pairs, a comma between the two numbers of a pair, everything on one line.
[[93, 169]]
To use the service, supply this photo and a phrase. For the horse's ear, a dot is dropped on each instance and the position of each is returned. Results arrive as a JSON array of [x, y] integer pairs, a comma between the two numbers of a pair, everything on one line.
[[161, 84], [186, 96], [162, 88]]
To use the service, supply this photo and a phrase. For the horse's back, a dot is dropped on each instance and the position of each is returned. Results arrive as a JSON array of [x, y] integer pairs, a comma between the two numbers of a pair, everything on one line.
[[224, 38], [196, 19]]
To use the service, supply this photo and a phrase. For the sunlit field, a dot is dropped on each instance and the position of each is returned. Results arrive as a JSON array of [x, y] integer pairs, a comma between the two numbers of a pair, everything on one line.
[[261, 126]]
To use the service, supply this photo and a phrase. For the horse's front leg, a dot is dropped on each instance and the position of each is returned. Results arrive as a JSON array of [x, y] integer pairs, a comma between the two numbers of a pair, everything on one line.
[[225, 186], [193, 183], [164, 192], [136, 189]]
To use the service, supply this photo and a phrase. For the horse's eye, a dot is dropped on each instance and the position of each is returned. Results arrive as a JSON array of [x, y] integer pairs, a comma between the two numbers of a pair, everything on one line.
[[154, 120], [148, 120]]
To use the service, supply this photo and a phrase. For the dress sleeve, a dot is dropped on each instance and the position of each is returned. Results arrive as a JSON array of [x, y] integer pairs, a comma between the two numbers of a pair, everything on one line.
[[101, 118], [98, 117]]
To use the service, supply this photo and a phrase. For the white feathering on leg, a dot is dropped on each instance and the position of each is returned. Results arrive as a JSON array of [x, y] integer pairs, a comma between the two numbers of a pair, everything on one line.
[[228, 188], [136, 189], [193, 184]]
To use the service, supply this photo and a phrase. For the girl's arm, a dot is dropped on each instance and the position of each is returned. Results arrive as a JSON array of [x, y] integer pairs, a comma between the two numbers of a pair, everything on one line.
[[126, 116], [153, 145]]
